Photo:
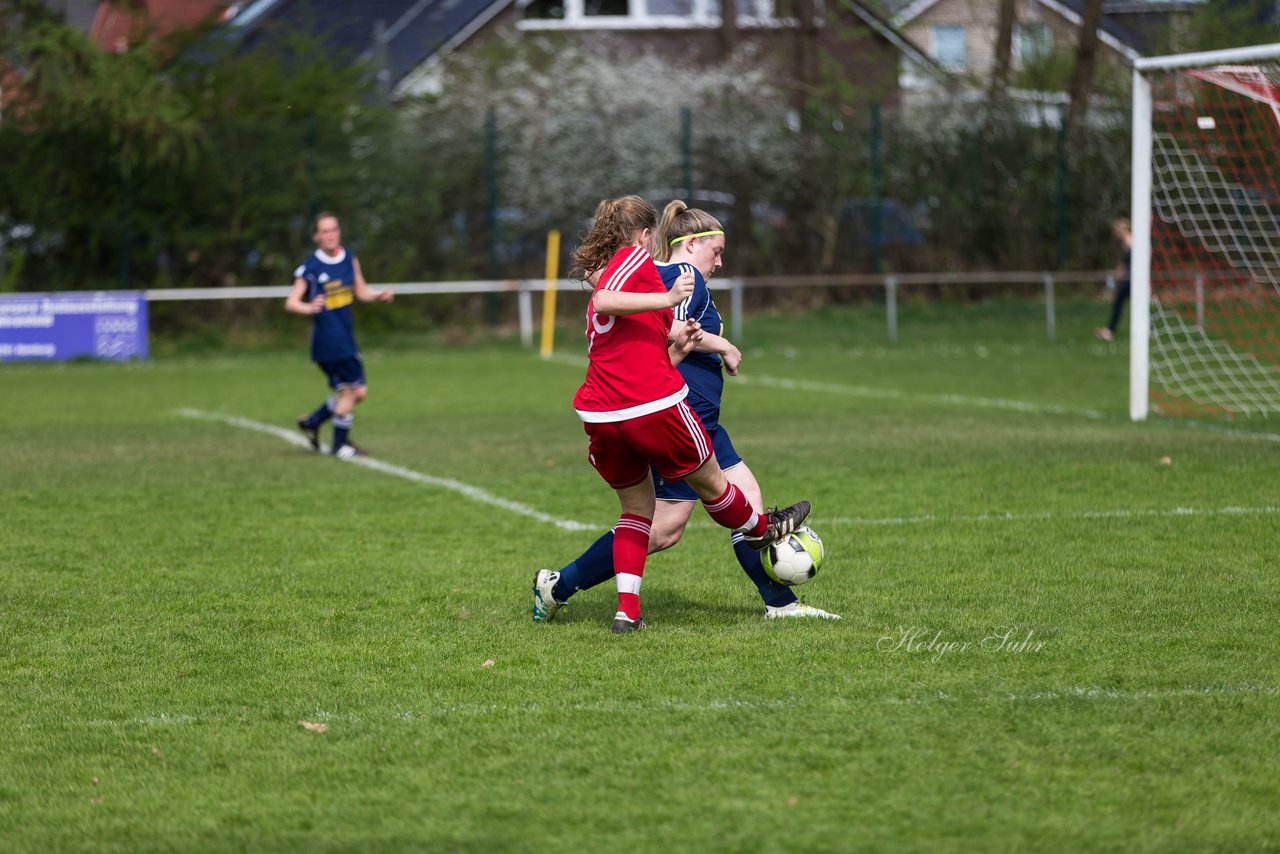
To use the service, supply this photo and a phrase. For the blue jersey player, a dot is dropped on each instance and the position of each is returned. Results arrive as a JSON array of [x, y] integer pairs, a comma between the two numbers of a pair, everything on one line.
[[325, 286], [687, 240]]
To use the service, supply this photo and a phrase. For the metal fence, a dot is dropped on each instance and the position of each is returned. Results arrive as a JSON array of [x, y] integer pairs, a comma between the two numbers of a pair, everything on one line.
[[891, 284]]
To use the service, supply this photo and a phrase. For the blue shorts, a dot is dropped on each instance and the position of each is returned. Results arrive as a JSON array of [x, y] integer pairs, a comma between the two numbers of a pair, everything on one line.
[[678, 490], [347, 373]]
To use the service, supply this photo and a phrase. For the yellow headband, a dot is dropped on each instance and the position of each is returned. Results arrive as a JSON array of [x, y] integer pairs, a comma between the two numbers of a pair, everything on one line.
[[699, 234]]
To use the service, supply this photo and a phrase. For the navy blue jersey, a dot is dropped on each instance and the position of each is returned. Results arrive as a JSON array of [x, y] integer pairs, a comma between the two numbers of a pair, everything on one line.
[[333, 334], [701, 371]]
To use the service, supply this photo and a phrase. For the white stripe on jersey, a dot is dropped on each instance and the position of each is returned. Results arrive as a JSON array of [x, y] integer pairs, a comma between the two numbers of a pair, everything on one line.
[[609, 416], [624, 272], [682, 310], [695, 429], [626, 269]]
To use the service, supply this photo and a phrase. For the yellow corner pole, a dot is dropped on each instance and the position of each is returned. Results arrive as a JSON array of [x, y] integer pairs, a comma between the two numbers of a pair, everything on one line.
[[549, 295]]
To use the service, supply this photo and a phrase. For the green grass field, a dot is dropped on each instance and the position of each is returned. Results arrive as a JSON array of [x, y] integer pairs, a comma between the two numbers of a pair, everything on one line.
[[179, 593]]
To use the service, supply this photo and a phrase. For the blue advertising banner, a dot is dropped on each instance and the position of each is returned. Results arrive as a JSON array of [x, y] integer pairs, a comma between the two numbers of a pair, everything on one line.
[[107, 325]]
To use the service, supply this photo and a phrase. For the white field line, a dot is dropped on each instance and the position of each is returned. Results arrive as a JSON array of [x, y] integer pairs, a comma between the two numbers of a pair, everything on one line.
[[1050, 695], [983, 518], [888, 393], [1228, 431], [932, 519], [892, 394], [465, 489], [871, 393]]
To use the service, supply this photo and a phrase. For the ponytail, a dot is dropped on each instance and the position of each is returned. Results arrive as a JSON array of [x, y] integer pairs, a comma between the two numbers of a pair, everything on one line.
[[679, 223], [615, 224]]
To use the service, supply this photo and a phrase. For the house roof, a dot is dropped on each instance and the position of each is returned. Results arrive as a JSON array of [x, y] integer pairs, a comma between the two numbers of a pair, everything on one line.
[[399, 35], [890, 32], [414, 31], [1113, 34]]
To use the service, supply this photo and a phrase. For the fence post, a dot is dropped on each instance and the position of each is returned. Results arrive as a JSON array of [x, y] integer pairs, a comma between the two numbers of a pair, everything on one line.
[[549, 294], [1050, 319], [891, 306], [525, 300], [735, 309]]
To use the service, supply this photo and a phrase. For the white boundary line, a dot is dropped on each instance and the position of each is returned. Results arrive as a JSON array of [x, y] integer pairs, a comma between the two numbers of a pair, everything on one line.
[[472, 492], [888, 393], [892, 394], [735, 705], [1228, 431], [872, 393], [1175, 513], [981, 518]]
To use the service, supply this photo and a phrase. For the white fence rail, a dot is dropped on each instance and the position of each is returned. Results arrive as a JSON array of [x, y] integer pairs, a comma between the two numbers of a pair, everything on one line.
[[525, 288]]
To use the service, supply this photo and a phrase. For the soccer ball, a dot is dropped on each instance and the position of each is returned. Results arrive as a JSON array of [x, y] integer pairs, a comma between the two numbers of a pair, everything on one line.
[[795, 558]]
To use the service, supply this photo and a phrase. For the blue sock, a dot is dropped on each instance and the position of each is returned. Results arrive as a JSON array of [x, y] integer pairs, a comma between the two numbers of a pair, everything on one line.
[[341, 427], [592, 567], [774, 594], [321, 415]]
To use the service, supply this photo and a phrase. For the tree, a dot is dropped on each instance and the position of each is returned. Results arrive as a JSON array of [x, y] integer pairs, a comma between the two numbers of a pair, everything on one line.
[[1082, 74], [728, 28], [1222, 24], [81, 130], [1004, 46], [196, 170]]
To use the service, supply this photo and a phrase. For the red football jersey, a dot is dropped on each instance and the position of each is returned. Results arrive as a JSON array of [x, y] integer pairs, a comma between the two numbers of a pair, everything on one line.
[[629, 373]]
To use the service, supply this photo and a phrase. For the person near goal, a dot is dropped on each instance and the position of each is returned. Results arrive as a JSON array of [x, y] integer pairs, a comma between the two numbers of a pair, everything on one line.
[[324, 287], [1123, 234], [688, 240], [633, 405]]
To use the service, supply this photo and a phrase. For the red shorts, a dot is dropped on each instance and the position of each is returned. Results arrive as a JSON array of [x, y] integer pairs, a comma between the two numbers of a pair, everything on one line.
[[671, 440]]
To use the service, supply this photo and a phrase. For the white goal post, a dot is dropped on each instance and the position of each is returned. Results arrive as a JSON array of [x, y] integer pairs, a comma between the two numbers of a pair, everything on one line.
[[1205, 278]]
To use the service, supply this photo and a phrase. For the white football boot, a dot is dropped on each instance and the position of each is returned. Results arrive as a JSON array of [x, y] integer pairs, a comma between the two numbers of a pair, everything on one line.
[[797, 609], [544, 603]]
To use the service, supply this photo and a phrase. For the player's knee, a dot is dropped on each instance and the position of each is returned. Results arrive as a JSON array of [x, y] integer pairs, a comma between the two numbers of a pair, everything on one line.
[[663, 540], [361, 393]]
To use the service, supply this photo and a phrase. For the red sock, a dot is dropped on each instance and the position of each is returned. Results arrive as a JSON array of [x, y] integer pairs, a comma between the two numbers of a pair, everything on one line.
[[732, 510], [630, 545]]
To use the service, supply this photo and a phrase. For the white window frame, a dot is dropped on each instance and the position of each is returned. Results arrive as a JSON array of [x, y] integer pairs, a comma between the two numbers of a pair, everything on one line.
[[933, 46], [1019, 55], [638, 18]]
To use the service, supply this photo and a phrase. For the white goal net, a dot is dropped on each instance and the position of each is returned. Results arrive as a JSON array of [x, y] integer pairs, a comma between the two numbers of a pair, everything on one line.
[[1206, 217]]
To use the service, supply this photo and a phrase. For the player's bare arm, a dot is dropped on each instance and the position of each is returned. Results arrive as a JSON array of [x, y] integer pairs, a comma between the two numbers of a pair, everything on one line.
[[296, 302], [729, 354], [683, 339], [622, 303], [366, 294]]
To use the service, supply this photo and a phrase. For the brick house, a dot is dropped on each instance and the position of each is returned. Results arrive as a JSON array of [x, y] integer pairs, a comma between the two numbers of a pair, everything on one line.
[[961, 35], [119, 24], [406, 42]]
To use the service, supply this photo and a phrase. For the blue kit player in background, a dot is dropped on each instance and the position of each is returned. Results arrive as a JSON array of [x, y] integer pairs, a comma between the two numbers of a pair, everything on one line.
[[324, 287], [687, 240], [1123, 234]]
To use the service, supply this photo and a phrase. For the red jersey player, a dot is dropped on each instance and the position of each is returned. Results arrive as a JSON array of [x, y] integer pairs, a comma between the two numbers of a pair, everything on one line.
[[632, 402]]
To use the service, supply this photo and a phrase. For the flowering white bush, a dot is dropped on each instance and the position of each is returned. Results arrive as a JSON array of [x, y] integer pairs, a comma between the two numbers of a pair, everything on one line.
[[577, 123]]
